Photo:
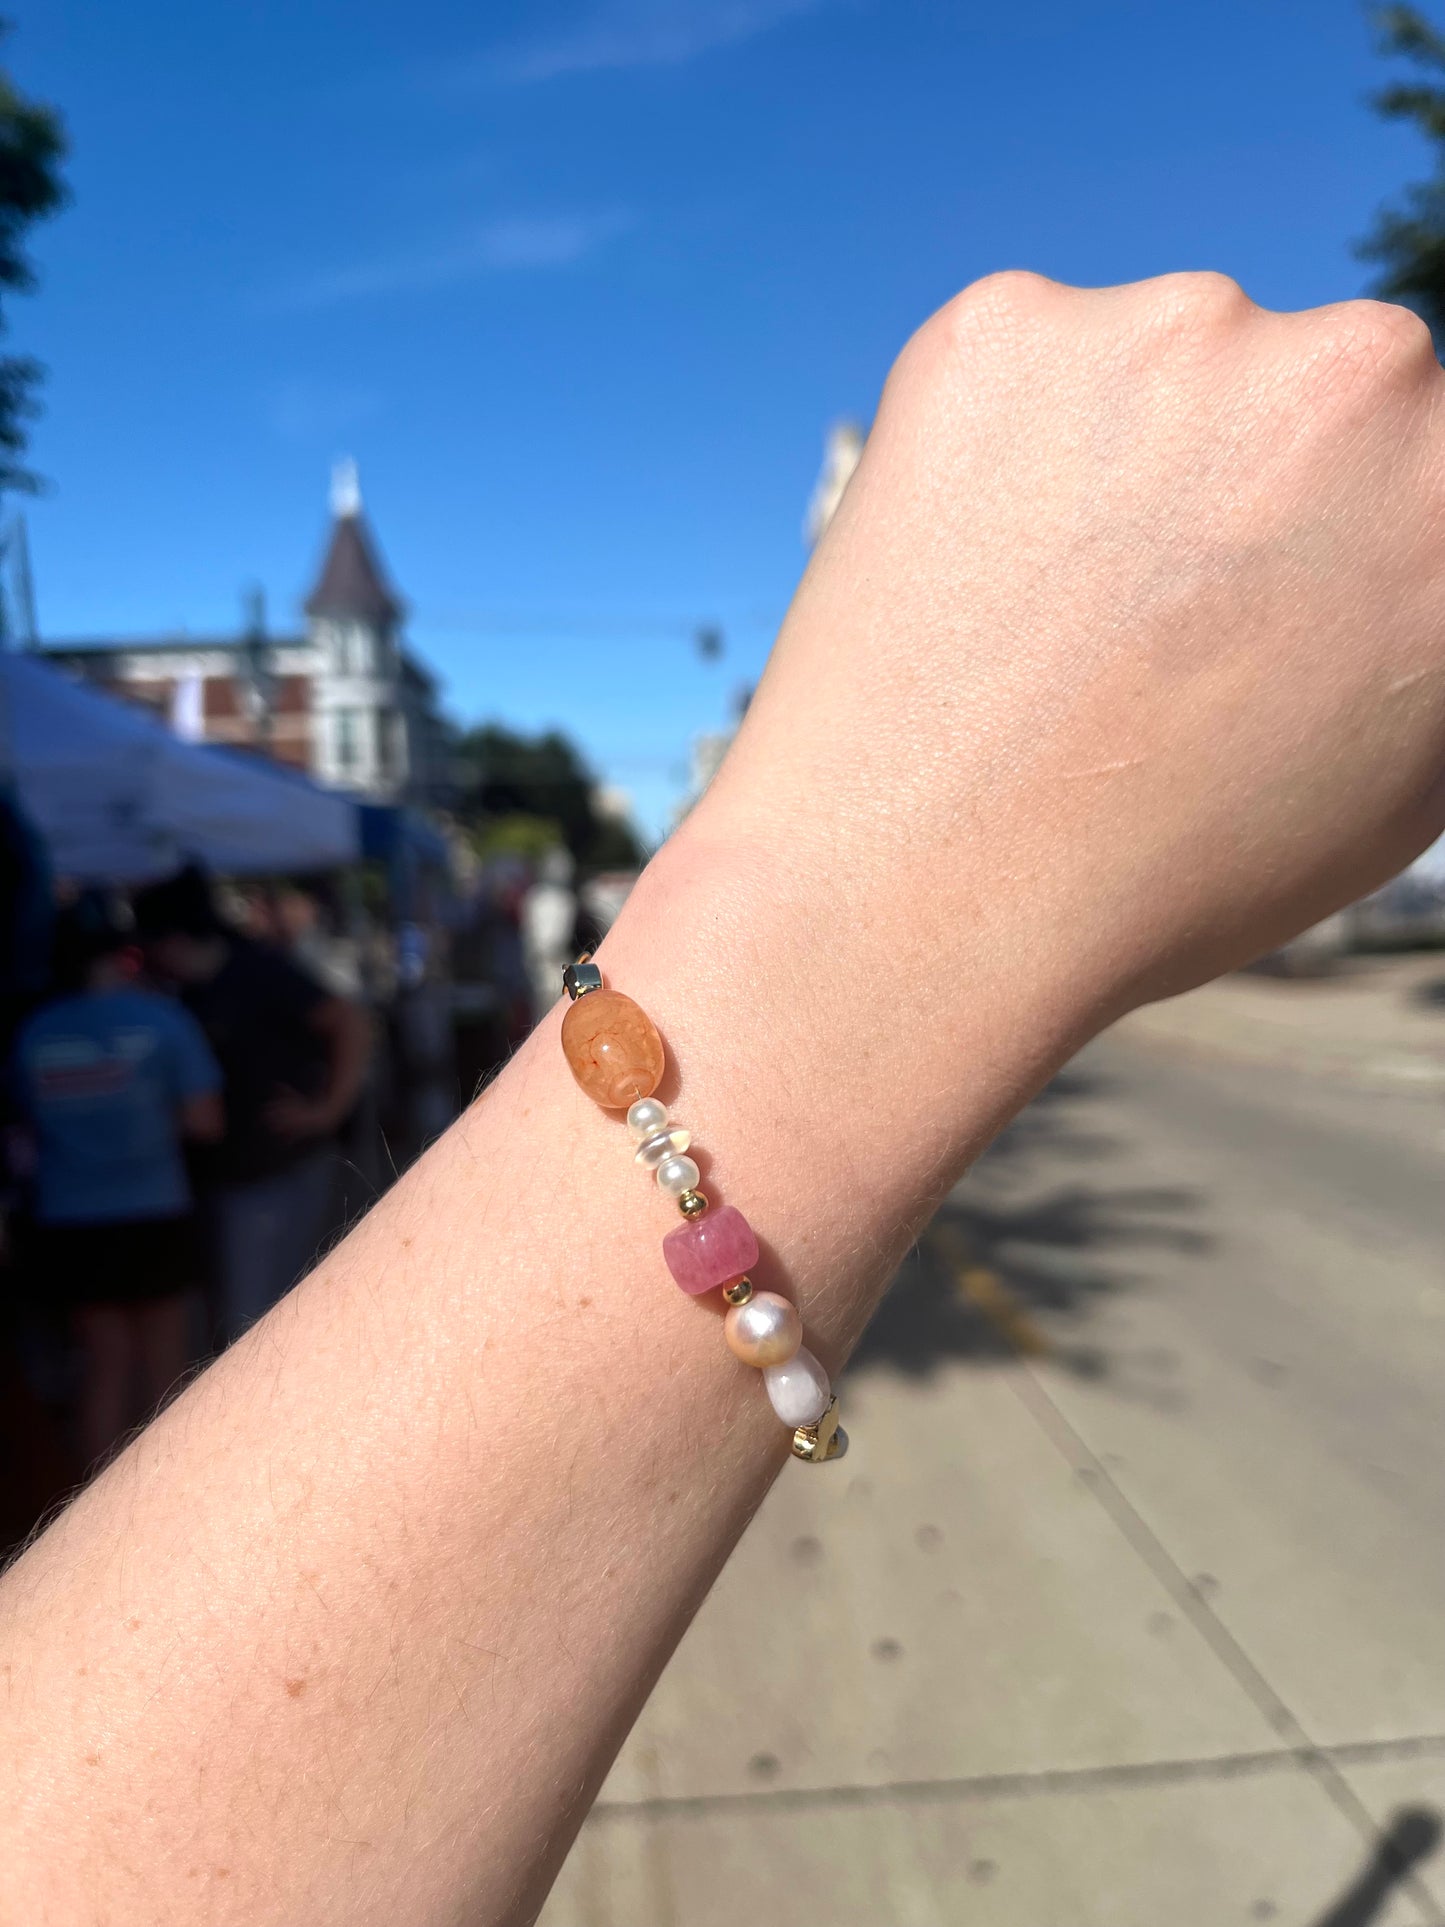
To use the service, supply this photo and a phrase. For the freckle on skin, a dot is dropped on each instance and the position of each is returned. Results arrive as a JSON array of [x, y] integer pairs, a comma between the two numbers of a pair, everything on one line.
[[92, 1759], [296, 1687], [583, 1303], [134, 1625]]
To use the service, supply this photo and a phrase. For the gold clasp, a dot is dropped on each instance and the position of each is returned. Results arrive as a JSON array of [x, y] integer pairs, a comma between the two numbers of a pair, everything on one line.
[[580, 977], [823, 1441]]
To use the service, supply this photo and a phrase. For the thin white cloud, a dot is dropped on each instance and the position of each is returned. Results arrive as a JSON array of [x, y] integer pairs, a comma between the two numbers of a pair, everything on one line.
[[505, 246], [642, 33]]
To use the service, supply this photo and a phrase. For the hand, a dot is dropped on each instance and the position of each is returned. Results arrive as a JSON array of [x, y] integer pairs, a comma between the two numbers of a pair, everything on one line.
[[1124, 658], [292, 1116]]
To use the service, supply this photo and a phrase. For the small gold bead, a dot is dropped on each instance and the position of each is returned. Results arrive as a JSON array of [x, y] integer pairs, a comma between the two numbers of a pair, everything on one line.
[[739, 1292], [692, 1204]]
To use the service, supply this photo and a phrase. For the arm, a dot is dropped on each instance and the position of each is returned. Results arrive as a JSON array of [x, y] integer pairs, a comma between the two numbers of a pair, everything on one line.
[[347, 1033], [487, 1459], [1121, 660], [195, 1078], [203, 1118]]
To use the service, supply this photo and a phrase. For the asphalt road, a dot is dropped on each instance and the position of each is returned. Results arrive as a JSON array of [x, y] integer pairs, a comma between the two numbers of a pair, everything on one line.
[[1128, 1606]]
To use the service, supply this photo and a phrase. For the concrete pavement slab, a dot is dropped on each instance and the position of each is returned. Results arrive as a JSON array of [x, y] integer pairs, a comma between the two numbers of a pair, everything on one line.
[[1259, 1847], [1373, 1022], [617, 1875], [1268, 1404], [1014, 1662], [1405, 1796], [949, 1602], [1325, 1584]]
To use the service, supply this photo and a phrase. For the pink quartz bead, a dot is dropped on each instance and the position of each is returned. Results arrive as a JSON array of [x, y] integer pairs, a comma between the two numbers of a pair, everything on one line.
[[712, 1250]]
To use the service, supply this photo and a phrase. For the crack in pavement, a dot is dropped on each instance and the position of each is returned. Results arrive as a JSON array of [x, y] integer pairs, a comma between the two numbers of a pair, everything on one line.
[[1323, 1763], [1043, 1781]]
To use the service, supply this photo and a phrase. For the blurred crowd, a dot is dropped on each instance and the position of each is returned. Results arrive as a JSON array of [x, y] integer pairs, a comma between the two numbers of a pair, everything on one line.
[[203, 1086], [177, 1111]]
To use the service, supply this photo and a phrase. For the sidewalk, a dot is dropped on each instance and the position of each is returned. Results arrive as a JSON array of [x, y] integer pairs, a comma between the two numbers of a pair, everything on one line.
[[1378, 1023], [1007, 1719], [971, 1677]]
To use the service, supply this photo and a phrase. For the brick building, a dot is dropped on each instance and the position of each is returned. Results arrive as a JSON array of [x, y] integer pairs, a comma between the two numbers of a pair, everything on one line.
[[344, 699]]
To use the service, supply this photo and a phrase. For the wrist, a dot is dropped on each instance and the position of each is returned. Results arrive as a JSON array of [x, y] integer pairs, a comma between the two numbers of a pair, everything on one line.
[[824, 1048]]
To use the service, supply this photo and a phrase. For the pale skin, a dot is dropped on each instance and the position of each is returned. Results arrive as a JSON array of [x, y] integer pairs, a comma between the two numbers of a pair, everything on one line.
[[1123, 660]]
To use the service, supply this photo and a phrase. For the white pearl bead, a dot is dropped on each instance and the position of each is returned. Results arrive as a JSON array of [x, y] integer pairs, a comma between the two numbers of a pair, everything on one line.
[[646, 1118], [799, 1390], [765, 1331], [666, 1144], [676, 1175]]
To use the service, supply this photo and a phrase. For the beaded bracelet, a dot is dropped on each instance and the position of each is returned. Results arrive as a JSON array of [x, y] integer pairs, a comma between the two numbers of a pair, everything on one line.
[[615, 1053]]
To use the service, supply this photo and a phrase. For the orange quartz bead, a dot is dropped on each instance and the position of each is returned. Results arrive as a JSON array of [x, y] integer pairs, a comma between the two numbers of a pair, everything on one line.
[[613, 1049]]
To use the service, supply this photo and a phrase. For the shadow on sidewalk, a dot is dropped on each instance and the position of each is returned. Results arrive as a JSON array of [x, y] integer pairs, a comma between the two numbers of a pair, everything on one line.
[[1411, 1837], [1015, 1258]]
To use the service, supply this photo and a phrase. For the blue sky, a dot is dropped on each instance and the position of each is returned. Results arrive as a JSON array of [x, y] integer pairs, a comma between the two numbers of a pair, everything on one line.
[[581, 285]]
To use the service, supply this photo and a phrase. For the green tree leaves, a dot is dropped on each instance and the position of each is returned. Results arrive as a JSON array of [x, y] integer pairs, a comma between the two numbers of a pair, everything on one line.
[[1408, 241], [521, 792], [32, 148]]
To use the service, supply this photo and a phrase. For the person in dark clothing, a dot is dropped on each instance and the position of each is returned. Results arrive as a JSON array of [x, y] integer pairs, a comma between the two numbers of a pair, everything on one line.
[[108, 1079], [294, 1057]]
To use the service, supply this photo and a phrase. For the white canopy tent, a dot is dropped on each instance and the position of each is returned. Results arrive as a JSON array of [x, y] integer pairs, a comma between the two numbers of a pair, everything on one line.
[[119, 799]]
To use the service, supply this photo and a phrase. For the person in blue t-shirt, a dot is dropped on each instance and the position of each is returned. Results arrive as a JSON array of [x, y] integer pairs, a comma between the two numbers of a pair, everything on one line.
[[110, 1078]]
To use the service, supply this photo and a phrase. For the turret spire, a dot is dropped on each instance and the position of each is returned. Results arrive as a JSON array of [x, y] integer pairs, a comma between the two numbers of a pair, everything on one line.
[[345, 488], [352, 582]]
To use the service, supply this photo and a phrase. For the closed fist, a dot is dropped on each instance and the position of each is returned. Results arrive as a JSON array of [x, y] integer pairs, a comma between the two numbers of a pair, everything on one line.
[[1129, 631]]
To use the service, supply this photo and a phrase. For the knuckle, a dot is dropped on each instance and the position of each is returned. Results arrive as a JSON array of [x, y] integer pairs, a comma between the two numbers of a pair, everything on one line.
[[1198, 300], [1000, 307], [992, 312], [1378, 339], [1368, 355], [1007, 292]]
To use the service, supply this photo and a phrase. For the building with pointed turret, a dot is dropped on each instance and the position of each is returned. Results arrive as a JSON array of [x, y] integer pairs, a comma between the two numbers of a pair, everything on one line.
[[346, 700]]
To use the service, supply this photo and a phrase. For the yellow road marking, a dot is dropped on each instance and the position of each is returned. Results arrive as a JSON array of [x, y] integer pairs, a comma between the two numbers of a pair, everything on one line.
[[989, 1295]]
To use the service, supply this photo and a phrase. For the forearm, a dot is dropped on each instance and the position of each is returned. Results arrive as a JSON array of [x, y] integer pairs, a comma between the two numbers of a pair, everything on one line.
[[363, 1618]]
